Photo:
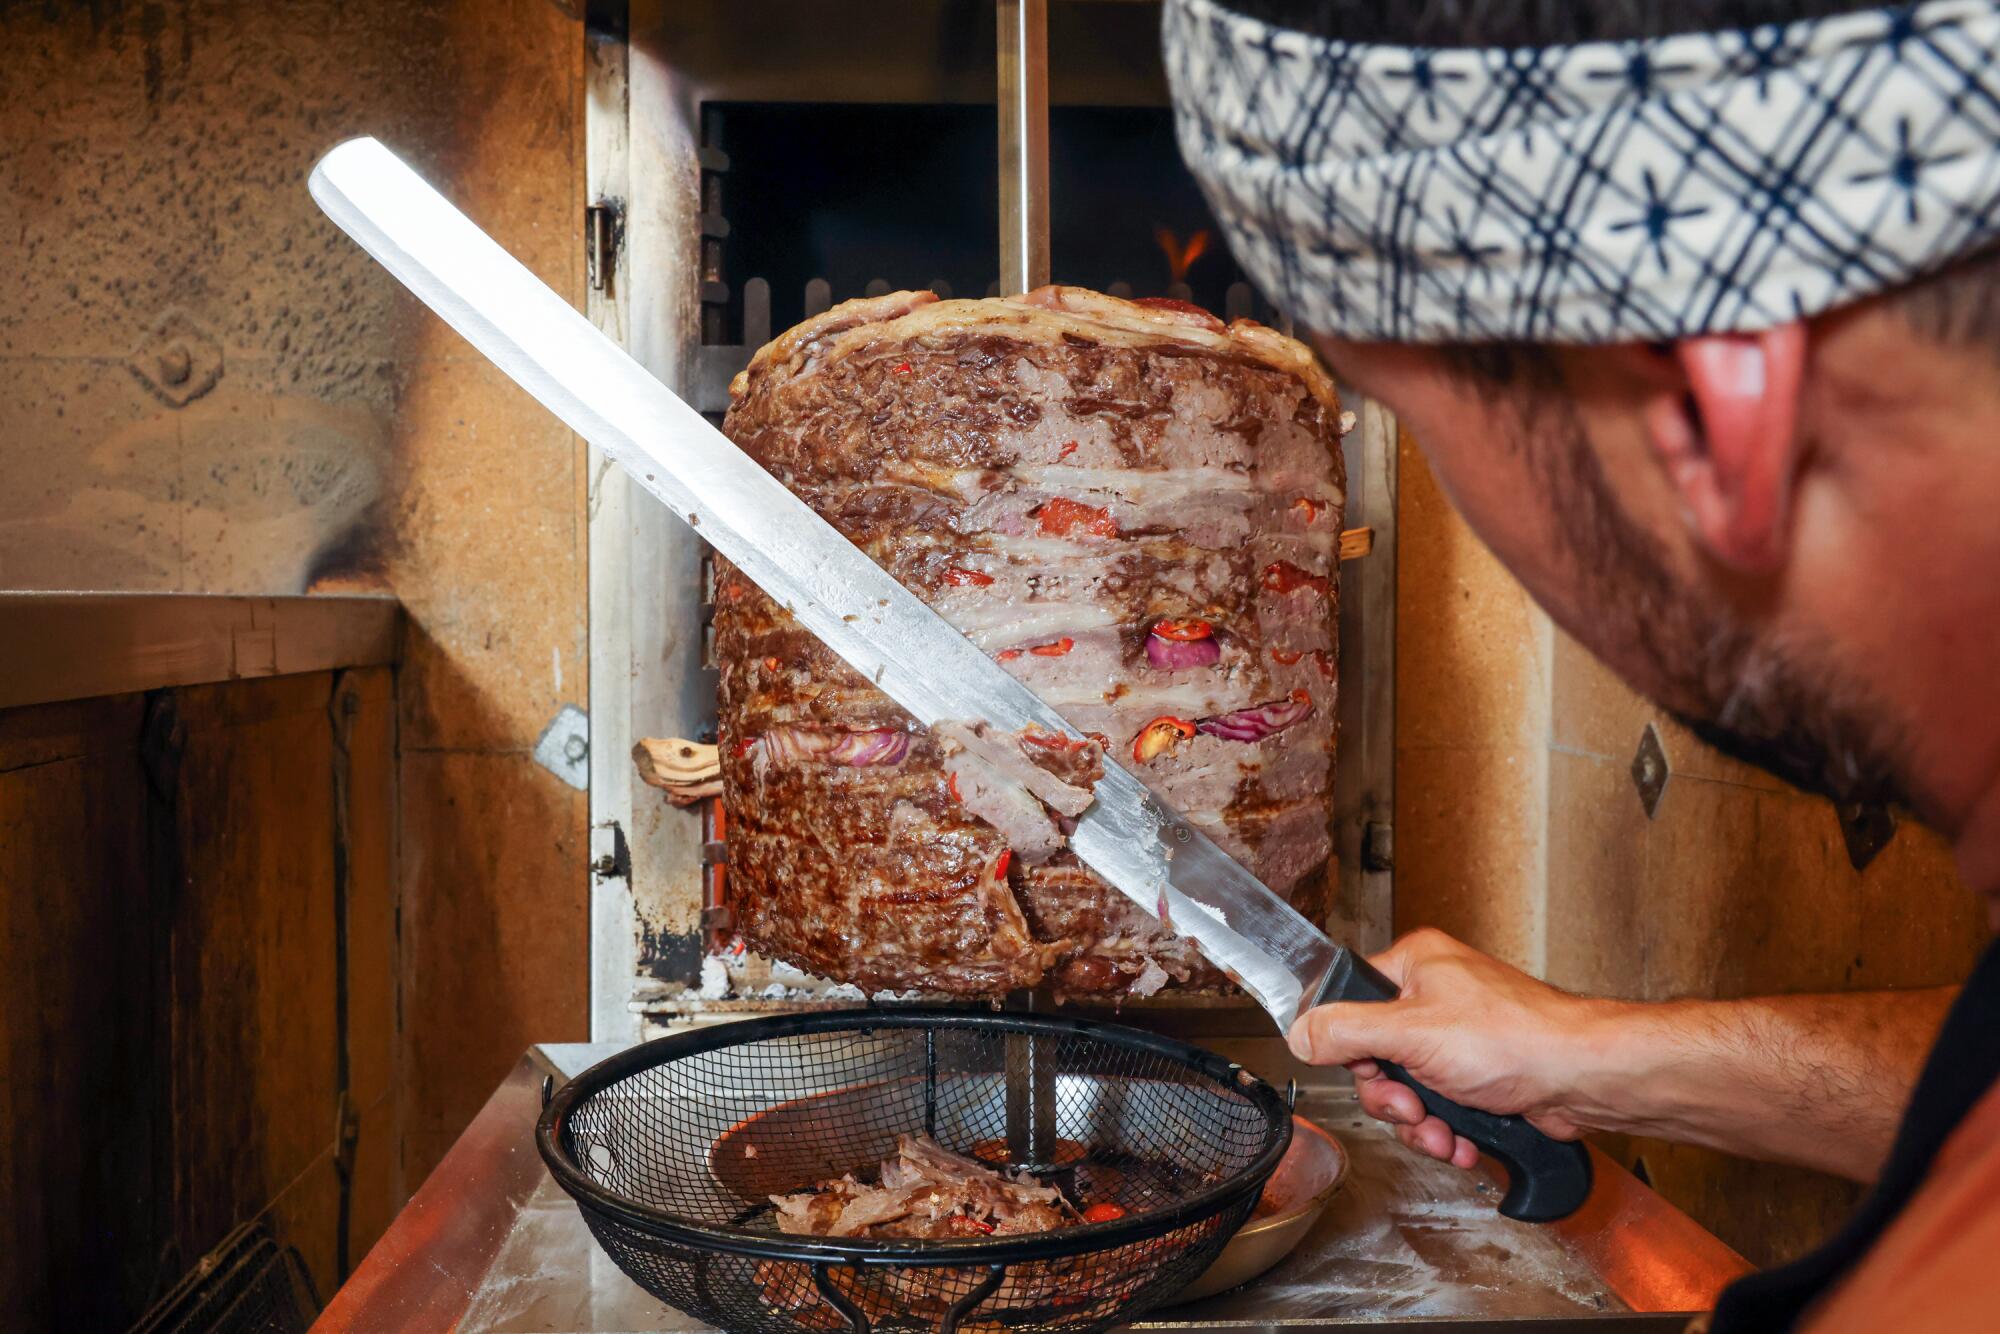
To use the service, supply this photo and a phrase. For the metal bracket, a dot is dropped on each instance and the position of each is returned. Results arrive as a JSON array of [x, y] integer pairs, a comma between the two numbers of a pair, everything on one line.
[[1649, 770], [564, 747], [603, 235], [178, 360], [1378, 846], [346, 1135], [617, 863], [1866, 828]]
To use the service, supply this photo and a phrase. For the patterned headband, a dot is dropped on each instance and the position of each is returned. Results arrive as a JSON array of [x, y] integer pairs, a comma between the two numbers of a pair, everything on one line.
[[1597, 193]]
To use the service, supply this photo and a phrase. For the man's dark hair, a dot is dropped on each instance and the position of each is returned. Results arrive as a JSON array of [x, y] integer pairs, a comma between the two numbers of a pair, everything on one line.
[[1959, 304]]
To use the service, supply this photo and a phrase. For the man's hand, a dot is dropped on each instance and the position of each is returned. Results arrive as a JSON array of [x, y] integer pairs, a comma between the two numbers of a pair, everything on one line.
[[1478, 1031], [1819, 1081]]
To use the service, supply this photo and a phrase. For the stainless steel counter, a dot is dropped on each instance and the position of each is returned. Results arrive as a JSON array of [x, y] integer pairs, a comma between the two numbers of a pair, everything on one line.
[[491, 1245]]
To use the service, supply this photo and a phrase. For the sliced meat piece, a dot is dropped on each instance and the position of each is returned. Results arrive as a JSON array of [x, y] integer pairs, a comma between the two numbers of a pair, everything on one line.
[[1009, 757], [989, 795], [926, 1191]]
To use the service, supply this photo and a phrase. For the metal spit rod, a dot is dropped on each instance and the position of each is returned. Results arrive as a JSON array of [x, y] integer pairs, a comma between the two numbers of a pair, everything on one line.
[[1023, 102], [1024, 145]]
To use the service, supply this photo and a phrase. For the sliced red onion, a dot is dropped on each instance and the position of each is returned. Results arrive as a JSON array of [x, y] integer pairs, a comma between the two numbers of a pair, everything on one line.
[[1173, 655], [1257, 723], [881, 745]]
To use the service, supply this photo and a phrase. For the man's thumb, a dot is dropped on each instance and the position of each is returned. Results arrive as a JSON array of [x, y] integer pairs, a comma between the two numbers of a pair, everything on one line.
[[1347, 1031]]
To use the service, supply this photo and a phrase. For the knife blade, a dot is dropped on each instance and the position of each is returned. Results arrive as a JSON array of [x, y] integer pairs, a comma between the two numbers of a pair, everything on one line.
[[1128, 836]]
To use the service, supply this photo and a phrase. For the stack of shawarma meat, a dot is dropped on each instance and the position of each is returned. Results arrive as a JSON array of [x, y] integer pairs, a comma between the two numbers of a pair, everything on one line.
[[1131, 506]]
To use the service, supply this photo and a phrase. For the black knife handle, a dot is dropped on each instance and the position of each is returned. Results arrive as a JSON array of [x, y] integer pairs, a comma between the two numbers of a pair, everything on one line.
[[1547, 1179]]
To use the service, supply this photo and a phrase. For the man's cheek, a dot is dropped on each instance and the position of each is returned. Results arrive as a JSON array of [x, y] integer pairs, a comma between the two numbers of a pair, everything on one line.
[[1490, 484]]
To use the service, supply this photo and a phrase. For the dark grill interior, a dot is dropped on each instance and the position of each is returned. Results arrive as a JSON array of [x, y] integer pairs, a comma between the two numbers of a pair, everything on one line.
[[906, 195]]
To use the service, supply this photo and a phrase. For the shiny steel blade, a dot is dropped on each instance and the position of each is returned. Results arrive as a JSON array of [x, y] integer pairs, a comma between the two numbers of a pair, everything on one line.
[[883, 631]]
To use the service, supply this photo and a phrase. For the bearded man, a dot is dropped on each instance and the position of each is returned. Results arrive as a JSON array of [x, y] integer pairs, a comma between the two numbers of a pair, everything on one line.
[[1692, 308]]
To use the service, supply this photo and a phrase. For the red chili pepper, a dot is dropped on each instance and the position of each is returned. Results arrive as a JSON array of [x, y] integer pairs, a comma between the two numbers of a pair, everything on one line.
[[1061, 516], [1162, 734], [1105, 1212], [1054, 649], [902, 368], [1008, 654], [958, 576], [1286, 657], [1302, 696], [1000, 867], [771, 664], [951, 786], [1310, 507], [981, 1225], [1066, 451], [1281, 576], [1186, 631]]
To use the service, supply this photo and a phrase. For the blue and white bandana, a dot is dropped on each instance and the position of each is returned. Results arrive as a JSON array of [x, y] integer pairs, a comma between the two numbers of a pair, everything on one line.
[[1596, 193]]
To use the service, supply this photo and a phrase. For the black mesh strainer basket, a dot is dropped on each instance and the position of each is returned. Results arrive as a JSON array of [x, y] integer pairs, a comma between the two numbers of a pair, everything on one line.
[[673, 1149]]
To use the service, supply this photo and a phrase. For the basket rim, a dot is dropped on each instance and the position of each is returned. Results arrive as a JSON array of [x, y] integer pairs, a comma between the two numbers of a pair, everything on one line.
[[1203, 1204]]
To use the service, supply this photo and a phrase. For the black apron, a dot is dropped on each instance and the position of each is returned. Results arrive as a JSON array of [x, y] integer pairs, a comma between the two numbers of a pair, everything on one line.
[[1961, 1069]]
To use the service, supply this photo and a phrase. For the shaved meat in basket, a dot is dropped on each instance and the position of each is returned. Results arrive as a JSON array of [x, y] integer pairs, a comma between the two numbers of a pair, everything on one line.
[[926, 1191]]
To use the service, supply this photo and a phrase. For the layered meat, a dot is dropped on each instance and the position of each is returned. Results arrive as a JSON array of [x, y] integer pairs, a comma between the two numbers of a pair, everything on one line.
[[1135, 510]]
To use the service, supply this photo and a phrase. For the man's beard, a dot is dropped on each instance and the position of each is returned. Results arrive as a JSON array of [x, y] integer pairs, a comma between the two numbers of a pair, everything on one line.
[[1783, 707]]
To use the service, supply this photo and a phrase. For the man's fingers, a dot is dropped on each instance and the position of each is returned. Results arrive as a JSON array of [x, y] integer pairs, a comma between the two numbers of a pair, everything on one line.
[[1386, 1100], [1430, 1137], [1434, 1139], [1343, 1032]]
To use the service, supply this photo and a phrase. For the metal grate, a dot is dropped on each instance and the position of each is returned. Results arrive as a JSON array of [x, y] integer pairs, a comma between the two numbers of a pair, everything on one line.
[[250, 1284], [673, 1149]]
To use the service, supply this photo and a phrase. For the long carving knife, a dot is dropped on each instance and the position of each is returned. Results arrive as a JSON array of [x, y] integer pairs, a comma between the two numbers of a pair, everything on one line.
[[862, 613]]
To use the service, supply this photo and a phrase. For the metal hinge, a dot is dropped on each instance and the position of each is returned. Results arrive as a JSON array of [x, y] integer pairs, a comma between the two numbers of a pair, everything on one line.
[[617, 863], [346, 1135], [1378, 846], [603, 234]]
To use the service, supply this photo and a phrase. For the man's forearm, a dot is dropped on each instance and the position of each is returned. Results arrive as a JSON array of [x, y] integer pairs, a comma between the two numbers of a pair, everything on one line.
[[1817, 1081]]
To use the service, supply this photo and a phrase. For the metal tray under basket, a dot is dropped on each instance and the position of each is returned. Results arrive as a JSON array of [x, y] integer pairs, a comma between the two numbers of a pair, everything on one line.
[[672, 1149]]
